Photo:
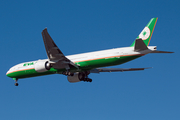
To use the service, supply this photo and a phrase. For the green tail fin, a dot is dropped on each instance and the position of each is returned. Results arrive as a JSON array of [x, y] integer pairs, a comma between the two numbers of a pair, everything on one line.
[[147, 32]]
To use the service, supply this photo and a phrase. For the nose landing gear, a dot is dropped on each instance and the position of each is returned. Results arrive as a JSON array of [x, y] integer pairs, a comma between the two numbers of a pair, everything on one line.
[[16, 83]]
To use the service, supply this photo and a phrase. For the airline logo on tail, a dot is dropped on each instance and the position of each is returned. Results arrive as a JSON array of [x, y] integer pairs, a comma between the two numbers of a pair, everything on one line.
[[145, 33]]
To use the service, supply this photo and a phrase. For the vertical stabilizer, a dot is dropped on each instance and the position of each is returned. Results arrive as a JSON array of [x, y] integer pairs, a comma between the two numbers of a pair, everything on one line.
[[147, 32]]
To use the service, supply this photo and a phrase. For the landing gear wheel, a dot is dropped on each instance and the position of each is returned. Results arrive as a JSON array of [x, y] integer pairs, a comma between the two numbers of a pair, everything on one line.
[[72, 74], [16, 84], [67, 73], [16, 81], [87, 80], [90, 80]]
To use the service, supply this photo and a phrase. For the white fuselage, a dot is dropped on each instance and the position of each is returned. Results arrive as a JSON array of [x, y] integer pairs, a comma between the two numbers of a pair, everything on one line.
[[110, 53]]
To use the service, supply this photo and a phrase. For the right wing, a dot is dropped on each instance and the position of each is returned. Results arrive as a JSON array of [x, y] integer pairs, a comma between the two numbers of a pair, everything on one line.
[[56, 57], [98, 70]]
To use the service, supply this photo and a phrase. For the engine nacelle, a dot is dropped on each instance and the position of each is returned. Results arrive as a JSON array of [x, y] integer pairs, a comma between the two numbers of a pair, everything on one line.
[[42, 66], [77, 77]]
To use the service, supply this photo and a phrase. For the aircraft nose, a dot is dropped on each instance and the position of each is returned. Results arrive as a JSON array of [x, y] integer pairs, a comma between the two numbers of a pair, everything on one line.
[[7, 73]]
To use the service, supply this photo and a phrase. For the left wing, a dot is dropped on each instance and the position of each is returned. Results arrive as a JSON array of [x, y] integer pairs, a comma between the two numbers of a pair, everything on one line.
[[98, 70], [56, 57]]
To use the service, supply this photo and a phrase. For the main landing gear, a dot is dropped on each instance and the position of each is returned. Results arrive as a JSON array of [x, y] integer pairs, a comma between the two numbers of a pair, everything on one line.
[[87, 80], [83, 76], [67, 73], [80, 76]]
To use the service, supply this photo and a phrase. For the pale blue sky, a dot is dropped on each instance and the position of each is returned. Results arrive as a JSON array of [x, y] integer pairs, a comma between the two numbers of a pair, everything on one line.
[[83, 26]]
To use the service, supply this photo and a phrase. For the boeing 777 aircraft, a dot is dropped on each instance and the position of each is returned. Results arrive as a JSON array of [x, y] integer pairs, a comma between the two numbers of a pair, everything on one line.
[[78, 67]]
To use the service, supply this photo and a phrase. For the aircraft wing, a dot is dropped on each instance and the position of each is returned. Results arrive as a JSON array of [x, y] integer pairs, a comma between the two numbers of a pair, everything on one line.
[[54, 54], [98, 70]]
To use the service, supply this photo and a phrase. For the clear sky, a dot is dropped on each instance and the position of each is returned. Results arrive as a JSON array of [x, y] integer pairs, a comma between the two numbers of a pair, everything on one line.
[[79, 26]]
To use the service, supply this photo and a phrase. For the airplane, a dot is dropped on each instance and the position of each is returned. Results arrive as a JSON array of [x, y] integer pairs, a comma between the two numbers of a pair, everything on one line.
[[77, 67]]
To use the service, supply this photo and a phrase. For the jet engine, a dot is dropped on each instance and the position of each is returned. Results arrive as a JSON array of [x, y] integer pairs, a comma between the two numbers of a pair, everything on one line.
[[42, 66], [79, 76]]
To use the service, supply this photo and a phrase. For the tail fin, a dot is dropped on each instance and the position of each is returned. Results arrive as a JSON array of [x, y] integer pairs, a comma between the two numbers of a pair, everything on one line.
[[147, 32]]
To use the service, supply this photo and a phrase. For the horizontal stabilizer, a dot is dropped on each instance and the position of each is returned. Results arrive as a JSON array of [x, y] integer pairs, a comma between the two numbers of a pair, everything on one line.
[[98, 70], [139, 45], [161, 51]]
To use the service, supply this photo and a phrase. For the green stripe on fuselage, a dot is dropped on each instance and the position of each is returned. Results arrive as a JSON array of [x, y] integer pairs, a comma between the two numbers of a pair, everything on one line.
[[106, 62], [84, 65], [29, 73]]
